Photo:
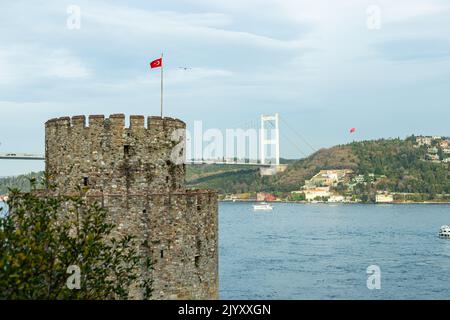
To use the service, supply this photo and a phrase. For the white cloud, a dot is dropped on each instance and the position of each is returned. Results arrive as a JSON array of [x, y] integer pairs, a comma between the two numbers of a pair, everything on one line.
[[25, 64], [209, 27], [61, 63], [400, 11]]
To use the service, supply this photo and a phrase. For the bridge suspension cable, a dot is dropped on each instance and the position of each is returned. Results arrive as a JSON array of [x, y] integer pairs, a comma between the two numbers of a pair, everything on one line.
[[298, 134], [292, 142]]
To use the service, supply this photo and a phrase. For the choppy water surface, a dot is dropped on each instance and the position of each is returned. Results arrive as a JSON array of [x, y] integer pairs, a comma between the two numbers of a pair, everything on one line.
[[320, 251]]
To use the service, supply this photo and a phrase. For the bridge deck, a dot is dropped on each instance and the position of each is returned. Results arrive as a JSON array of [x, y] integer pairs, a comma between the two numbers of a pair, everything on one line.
[[29, 156], [21, 156], [229, 163]]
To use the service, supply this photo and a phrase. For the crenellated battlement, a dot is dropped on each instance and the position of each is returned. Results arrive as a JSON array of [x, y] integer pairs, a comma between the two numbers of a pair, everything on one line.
[[115, 120], [102, 153]]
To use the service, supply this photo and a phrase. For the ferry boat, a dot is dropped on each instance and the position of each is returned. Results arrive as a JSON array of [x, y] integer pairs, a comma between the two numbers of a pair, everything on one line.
[[263, 206], [444, 232]]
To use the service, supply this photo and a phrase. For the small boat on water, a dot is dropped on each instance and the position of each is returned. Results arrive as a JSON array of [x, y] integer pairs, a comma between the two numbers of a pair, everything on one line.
[[262, 206], [444, 232]]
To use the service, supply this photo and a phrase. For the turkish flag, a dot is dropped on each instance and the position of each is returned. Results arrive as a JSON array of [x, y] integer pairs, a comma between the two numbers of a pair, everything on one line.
[[352, 130], [156, 64]]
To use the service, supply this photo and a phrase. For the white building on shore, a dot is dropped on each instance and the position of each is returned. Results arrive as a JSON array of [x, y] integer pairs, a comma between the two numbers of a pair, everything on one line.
[[319, 192], [384, 198]]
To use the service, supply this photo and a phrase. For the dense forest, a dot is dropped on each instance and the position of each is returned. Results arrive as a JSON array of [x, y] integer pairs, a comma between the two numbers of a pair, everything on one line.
[[403, 164]]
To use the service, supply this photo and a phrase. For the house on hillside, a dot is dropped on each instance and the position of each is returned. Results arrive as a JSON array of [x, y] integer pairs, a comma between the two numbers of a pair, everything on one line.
[[319, 192], [384, 198], [424, 141], [433, 157], [433, 150], [326, 178], [263, 196], [444, 144]]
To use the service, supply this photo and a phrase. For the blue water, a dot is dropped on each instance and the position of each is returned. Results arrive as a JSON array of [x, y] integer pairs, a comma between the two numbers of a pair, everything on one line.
[[320, 251]]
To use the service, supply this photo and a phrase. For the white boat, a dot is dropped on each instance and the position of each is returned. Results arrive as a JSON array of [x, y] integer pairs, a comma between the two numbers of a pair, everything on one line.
[[263, 206], [444, 232]]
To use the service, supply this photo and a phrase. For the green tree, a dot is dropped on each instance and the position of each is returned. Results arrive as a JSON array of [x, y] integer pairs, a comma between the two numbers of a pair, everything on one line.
[[297, 196], [41, 236]]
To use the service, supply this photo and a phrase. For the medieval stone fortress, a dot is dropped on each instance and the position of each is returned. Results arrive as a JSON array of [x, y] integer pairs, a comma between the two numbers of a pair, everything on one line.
[[130, 171]]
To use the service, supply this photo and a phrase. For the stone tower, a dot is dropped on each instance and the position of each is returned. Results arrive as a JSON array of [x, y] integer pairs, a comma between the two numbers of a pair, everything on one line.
[[131, 172]]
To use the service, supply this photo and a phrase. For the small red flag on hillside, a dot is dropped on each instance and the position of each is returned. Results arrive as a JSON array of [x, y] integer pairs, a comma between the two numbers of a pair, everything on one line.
[[352, 130], [156, 63]]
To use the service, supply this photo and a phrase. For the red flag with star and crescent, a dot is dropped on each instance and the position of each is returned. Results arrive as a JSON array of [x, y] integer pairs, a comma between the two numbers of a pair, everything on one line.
[[156, 63]]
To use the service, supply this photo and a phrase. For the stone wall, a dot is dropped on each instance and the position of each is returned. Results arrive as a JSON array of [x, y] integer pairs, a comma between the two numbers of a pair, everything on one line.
[[105, 154], [132, 172]]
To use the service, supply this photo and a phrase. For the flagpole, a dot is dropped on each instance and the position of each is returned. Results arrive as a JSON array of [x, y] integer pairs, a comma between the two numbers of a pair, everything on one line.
[[162, 84]]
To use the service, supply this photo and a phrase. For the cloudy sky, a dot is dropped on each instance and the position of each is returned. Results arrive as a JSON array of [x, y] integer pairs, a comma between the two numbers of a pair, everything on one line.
[[325, 66]]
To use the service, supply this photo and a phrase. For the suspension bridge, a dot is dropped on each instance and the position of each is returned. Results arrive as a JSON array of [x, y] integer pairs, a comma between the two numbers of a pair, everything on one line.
[[266, 154]]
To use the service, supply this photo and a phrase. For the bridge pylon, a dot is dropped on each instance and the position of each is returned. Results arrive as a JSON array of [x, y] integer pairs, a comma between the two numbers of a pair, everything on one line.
[[273, 140]]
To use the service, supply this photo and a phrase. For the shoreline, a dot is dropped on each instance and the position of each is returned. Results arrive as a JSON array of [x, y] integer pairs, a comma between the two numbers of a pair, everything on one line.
[[334, 203], [328, 203]]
